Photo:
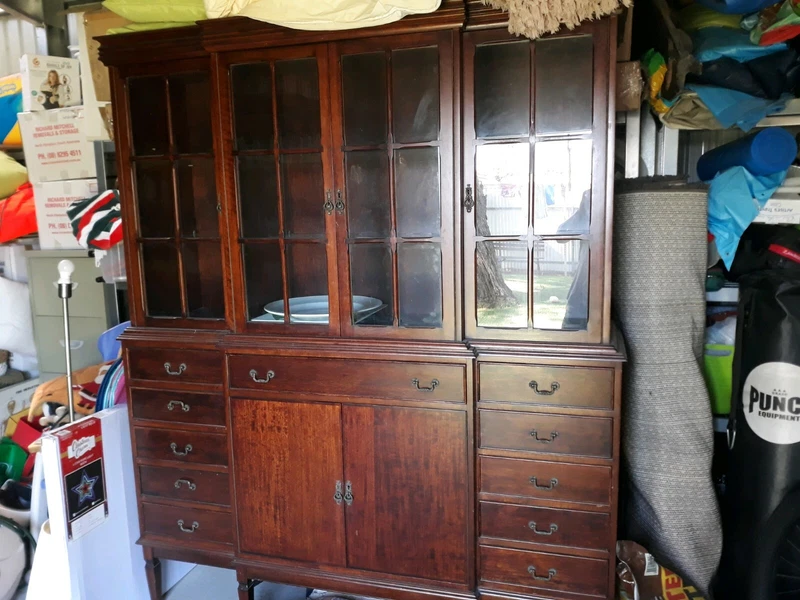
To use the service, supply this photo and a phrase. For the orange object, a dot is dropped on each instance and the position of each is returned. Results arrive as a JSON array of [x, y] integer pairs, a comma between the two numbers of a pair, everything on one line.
[[18, 214]]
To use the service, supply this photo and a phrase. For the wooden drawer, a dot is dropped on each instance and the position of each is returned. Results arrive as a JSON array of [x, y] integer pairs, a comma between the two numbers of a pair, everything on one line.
[[557, 386], [199, 525], [582, 436], [546, 480], [350, 378], [540, 570], [175, 365], [569, 528], [182, 446], [178, 407], [185, 484]]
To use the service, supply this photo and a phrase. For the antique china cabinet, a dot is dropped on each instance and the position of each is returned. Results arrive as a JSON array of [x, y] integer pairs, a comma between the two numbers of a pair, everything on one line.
[[369, 273]]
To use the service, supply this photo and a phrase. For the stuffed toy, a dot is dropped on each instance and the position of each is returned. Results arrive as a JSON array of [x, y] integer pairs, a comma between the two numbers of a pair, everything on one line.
[[55, 390]]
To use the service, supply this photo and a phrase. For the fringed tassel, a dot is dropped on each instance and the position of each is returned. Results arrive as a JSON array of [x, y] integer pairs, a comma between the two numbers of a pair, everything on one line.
[[534, 18]]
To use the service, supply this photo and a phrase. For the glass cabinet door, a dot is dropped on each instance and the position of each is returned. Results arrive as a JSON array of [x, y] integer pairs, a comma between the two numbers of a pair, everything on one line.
[[534, 186], [285, 199], [177, 210], [394, 189]]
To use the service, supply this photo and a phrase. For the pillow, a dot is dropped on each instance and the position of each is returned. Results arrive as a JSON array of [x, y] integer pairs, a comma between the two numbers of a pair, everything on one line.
[[12, 175], [158, 11], [16, 324]]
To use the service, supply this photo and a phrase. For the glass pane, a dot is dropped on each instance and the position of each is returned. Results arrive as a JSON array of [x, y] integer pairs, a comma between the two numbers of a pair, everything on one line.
[[371, 280], [162, 281], [502, 284], [252, 106], [501, 176], [419, 275], [154, 198], [562, 180], [564, 69], [303, 194], [263, 280], [415, 94], [197, 197], [307, 270], [560, 284], [190, 103], [368, 211], [502, 89], [417, 192], [147, 97], [365, 99], [202, 268], [297, 91], [258, 196]]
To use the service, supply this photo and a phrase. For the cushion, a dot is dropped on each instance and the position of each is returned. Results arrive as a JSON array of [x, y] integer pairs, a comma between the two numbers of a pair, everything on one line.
[[16, 325], [158, 11], [12, 175]]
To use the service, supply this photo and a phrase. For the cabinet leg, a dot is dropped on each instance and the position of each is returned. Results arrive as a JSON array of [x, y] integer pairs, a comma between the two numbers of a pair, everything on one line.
[[247, 589], [152, 569]]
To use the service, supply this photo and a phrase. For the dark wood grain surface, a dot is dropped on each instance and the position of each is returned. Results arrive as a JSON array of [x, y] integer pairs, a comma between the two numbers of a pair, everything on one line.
[[191, 485], [178, 407], [189, 446], [211, 526], [175, 365]]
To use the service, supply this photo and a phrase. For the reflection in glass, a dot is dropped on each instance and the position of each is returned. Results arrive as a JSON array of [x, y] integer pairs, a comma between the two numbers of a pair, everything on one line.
[[371, 277], [263, 279], [147, 97], [562, 180], [367, 180], [502, 284], [564, 84], [258, 196], [419, 274], [162, 280], [301, 177], [501, 175], [297, 92], [252, 106], [417, 192], [190, 101], [415, 94], [307, 272], [197, 197], [364, 96], [154, 195], [202, 267], [502, 89], [560, 284]]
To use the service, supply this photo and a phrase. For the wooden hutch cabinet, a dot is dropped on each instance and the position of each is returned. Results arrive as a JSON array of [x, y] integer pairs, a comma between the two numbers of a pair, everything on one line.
[[370, 293]]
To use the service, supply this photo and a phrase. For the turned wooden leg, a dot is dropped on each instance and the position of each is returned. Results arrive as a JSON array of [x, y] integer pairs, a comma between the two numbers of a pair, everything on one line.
[[247, 588], [152, 569]]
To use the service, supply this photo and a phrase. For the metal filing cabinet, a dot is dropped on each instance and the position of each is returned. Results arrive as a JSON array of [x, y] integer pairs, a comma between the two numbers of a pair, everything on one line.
[[92, 310]]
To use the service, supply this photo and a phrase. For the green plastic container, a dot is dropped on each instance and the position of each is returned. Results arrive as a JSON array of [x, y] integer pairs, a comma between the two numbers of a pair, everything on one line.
[[718, 362], [12, 460]]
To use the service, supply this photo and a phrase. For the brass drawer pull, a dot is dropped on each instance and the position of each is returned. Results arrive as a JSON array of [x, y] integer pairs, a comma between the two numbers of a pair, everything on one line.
[[433, 386], [348, 493], [553, 484], [550, 574], [534, 385], [186, 449], [173, 403], [254, 376], [338, 496], [192, 486], [532, 527], [553, 436], [168, 369], [195, 526]]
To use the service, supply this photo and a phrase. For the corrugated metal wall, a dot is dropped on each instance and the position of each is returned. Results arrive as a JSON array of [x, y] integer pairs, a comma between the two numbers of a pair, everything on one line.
[[18, 37]]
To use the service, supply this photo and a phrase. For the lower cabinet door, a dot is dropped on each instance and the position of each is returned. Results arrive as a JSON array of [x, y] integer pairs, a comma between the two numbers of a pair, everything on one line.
[[406, 472], [288, 477]]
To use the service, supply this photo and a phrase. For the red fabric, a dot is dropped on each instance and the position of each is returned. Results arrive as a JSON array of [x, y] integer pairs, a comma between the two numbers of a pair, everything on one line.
[[785, 252], [18, 214], [781, 34]]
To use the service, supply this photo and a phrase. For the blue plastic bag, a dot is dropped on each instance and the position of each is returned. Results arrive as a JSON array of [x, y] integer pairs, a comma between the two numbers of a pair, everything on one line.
[[734, 199], [736, 108], [712, 43]]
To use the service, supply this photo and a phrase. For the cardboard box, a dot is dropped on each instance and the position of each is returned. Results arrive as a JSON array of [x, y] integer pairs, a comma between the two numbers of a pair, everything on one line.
[[49, 82], [630, 86], [624, 34], [10, 105], [781, 209], [14, 403], [96, 23], [52, 200], [55, 145]]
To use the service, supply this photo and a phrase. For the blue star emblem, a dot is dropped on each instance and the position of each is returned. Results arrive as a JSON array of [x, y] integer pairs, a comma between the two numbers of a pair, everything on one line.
[[85, 489]]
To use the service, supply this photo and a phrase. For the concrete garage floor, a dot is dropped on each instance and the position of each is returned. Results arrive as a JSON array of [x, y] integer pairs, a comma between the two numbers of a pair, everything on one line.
[[211, 583]]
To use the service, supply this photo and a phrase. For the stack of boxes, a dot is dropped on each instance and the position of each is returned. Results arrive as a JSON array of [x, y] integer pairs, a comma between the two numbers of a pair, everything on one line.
[[59, 157]]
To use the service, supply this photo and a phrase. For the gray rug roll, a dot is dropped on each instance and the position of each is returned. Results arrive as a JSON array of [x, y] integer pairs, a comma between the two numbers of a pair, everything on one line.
[[667, 437]]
